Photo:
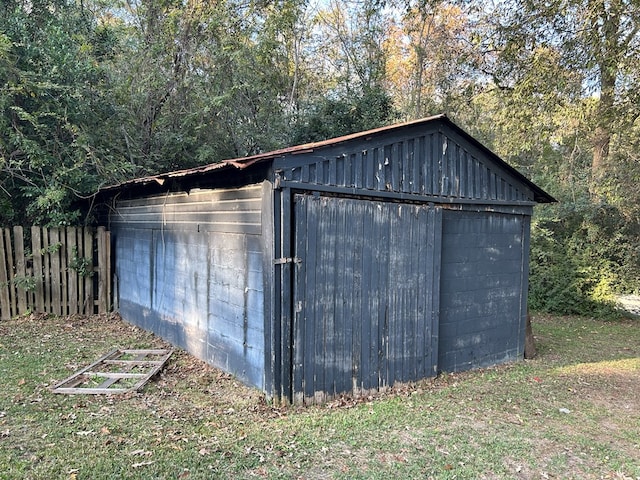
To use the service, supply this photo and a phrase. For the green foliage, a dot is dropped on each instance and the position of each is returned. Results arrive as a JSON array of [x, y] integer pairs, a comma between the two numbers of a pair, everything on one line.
[[336, 117], [81, 265], [53, 248], [27, 283], [53, 100], [581, 256]]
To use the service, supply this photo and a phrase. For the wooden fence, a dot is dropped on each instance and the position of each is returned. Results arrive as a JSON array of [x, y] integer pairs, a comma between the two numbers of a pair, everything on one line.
[[63, 271]]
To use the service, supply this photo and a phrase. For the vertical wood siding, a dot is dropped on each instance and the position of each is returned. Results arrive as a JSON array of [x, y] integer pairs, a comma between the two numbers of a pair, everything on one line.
[[428, 164], [365, 296]]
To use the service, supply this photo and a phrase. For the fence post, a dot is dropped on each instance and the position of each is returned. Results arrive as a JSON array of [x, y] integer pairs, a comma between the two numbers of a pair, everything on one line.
[[5, 302], [103, 270]]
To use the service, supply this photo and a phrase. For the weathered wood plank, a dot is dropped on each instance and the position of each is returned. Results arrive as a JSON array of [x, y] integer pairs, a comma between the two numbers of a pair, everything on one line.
[[73, 258], [10, 271], [116, 375], [21, 292], [131, 362], [87, 303], [46, 271], [95, 391], [5, 298], [64, 273], [142, 351], [103, 280], [54, 255], [36, 251]]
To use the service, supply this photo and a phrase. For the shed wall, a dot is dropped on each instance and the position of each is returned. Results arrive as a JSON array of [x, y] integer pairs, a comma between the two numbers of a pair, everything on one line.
[[483, 271], [191, 269]]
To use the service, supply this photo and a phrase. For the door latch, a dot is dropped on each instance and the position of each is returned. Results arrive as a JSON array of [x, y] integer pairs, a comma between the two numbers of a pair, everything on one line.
[[285, 260]]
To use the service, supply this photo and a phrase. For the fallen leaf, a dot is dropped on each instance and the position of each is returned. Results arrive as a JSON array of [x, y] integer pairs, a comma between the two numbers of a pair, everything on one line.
[[145, 453], [22, 381], [105, 431]]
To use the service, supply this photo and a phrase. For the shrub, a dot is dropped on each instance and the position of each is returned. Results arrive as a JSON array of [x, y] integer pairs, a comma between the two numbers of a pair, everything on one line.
[[582, 255]]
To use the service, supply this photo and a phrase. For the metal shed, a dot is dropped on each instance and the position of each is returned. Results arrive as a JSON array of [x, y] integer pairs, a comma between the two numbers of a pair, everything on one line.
[[342, 266]]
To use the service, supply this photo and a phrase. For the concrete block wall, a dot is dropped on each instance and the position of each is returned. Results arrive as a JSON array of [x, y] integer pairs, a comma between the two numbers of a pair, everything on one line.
[[202, 290], [480, 290]]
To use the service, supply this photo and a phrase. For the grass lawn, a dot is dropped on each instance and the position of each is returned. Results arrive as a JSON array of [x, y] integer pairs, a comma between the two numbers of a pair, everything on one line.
[[573, 412]]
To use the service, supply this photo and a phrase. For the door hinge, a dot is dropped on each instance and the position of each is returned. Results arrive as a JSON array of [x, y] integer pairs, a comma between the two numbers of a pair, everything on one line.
[[285, 260]]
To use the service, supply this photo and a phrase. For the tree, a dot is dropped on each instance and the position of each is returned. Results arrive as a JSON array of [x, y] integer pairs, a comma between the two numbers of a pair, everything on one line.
[[53, 98], [208, 81], [429, 57], [597, 40], [348, 94]]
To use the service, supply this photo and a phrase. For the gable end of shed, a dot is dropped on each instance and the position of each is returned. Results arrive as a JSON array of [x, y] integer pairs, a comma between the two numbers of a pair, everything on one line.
[[432, 162]]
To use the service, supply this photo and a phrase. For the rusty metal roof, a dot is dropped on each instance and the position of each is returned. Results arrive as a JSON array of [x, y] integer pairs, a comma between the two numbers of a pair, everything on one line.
[[244, 162]]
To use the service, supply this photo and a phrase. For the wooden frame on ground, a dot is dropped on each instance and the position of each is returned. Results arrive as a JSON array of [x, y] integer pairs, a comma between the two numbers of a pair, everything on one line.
[[119, 371]]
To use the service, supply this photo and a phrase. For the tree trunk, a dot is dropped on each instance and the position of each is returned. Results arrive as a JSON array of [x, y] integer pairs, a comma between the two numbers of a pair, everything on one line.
[[529, 341], [608, 66]]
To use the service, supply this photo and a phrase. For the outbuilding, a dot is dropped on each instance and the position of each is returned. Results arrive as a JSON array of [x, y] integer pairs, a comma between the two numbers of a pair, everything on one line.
[[342, 266]]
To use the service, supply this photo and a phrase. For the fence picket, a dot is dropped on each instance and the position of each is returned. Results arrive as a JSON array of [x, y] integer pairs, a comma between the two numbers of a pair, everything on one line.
[[72, 270], [54, 255], [5, 301], [64, 273], [46, 262], [88, 280], [10, 271], [36, 251], [102, 271], [21, 273]]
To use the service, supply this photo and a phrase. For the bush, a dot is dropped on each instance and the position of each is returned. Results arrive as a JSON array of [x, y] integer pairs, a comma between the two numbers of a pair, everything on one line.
[[582, 255]]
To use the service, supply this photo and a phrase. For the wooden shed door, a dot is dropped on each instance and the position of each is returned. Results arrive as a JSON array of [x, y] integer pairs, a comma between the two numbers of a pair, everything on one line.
[[364, 293]]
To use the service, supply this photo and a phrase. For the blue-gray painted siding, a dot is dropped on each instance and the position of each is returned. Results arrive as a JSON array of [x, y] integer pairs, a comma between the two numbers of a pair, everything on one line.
[[365, 296], [221, 210], [201, 290], [420, 163], [481, 289]]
